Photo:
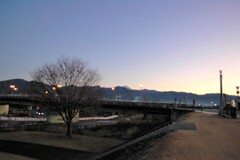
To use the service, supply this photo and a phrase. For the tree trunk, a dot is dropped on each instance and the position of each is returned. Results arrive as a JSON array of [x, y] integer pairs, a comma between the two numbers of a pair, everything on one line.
[[69, 130]]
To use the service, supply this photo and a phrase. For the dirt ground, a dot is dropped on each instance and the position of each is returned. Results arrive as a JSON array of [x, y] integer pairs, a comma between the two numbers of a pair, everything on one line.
[[216, 138]]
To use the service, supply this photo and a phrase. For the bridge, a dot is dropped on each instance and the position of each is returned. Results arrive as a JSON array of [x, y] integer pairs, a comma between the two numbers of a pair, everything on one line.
[[20, 99], [169, 109]]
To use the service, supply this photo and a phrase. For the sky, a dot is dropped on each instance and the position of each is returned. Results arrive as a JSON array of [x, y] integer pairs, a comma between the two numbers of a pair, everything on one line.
[[164, 45]]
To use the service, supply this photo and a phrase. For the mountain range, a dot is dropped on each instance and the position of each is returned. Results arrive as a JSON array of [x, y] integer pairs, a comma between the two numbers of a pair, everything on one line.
[[127, 94]]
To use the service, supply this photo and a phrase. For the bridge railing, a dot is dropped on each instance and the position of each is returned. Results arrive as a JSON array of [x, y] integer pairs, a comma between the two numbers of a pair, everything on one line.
[[14, 95], [138, 104], [19, 95], [30, 119]]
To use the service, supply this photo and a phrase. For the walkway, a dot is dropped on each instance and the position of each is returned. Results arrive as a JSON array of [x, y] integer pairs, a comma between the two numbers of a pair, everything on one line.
[[216, 138]]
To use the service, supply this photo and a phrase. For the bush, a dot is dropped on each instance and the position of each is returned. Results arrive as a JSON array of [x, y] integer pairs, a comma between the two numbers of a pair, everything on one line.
[[122, 130]]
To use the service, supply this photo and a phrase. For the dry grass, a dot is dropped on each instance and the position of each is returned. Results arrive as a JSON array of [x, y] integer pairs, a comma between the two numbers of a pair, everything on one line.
[[83, 143]]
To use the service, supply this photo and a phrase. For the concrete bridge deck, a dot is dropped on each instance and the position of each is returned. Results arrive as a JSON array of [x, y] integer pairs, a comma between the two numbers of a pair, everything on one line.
[[215, 138]]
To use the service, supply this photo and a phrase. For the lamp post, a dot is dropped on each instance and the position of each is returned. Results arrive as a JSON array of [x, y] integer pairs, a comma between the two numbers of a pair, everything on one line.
[[141, 87], [221, 104], [184, 98], [113, 89], [46, 94], [237, 101], [237, 92], [55, 88], [13, 88]]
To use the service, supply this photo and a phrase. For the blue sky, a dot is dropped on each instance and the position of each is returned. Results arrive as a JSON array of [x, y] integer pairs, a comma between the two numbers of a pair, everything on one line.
[[166, 45]]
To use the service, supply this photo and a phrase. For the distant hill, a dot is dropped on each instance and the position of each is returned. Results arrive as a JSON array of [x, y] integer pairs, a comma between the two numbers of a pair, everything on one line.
[[126, 93], [21, 85]]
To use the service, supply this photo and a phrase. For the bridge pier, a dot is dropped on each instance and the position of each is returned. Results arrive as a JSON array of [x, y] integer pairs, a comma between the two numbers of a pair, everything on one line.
[[32, 110], [4, 109], [29, 111]]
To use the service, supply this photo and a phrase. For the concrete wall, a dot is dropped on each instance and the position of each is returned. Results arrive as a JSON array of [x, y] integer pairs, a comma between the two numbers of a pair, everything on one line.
[[58, 119], [4, 108], [54, 119]]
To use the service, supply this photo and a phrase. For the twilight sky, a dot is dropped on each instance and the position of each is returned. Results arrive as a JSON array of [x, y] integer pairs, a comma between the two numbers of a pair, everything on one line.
[[165, 45]]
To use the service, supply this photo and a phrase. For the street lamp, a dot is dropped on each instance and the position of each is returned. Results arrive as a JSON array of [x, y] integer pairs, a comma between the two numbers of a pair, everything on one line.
[[113, 89], [59, 86], [55, 87], [13, 88], [237, 102], [221, 104], [141, 87], [211, 103], [237, 91]]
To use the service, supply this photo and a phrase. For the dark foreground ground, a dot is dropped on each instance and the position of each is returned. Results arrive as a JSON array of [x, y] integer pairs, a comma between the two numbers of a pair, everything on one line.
[[40, 151], [54, 146]]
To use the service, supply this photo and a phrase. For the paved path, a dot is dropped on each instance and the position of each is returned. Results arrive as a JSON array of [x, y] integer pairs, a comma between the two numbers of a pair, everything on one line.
[[215, 138]]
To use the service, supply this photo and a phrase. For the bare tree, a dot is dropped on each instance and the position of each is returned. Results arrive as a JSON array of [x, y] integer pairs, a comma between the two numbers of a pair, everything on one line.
[[68, 85]]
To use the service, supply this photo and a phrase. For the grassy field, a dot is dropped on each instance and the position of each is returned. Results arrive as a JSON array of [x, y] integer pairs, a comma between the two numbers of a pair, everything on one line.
[[80, 143]]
